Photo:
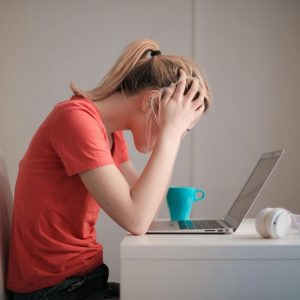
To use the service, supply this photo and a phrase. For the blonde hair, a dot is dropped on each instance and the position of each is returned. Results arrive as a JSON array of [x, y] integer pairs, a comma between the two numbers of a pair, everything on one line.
[[135, 70]]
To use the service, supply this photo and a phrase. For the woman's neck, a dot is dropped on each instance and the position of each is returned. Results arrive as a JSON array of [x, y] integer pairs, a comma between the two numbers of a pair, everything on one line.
[[119, 112], [114, 111]]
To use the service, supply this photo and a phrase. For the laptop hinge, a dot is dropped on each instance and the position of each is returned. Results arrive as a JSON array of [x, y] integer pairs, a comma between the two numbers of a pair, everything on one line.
[[232, 222], [223, 222]]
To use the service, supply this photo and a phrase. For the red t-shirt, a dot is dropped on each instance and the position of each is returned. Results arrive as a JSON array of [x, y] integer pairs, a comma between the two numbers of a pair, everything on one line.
[[53, 233]]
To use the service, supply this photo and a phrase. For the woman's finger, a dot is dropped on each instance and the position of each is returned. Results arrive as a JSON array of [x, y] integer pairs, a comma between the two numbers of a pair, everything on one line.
[[180, 86], [198, 102], [200, 110], [168, 93], [197, 117], [193, 89]]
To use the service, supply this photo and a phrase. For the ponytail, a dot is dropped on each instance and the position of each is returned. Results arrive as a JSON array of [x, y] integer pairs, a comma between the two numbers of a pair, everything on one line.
[[135, 71], [112, 81]]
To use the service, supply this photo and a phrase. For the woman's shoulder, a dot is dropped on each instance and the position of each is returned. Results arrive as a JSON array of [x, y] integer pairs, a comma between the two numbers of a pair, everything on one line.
[[76, 110], [76, 102], [77, 106]]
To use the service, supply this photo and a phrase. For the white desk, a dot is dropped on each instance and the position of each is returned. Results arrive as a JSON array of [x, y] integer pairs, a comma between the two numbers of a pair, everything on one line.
[[238, 266]]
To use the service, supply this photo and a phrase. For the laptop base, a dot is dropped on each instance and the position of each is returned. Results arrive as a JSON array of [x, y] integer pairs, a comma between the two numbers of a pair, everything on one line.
[[189, 226]]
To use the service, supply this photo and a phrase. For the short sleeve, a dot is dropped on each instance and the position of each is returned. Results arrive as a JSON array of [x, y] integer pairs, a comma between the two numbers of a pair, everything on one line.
[[79, 138]]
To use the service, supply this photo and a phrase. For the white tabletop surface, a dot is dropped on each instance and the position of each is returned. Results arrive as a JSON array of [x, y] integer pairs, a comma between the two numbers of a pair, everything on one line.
[[245, 243]]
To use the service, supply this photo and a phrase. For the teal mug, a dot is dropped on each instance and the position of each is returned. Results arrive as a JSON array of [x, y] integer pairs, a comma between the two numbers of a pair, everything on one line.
[[180, 200]]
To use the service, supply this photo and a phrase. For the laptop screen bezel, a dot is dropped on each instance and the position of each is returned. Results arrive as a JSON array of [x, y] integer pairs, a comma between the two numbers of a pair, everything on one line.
[[235, 223]]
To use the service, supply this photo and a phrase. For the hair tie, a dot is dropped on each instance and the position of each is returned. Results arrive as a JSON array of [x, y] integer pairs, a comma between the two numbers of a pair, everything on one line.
[[155, 52]]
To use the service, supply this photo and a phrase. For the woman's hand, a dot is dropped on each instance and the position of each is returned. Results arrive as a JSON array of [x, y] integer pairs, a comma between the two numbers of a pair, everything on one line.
[[179, 112]]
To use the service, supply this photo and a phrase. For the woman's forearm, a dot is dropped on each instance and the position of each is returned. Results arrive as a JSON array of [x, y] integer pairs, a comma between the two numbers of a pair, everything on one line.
[[151, 186]]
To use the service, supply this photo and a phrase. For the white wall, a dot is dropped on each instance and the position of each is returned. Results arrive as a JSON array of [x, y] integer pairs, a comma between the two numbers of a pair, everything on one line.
[[45, 44], [249, 51]]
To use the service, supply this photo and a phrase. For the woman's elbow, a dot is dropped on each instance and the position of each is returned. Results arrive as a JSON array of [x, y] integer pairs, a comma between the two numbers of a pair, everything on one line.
[[138, 228], [138, 232]]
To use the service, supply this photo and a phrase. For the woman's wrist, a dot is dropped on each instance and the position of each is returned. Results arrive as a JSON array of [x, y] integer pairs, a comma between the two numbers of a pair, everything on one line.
[[170, 135]]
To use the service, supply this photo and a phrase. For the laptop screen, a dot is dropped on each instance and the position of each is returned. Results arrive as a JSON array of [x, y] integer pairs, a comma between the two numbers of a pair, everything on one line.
[[252, 188]]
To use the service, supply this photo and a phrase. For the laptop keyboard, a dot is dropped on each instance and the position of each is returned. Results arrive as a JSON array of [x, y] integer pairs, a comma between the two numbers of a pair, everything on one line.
[[199, 224]]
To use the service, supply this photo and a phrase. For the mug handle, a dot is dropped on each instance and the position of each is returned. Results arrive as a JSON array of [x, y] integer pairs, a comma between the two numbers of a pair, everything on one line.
[[203, 194]]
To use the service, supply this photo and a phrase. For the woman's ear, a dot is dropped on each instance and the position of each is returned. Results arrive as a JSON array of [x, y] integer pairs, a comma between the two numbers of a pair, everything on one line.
[[150, 100]]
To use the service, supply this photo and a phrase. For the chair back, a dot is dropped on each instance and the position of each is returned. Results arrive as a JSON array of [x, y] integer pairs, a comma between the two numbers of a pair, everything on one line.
[[5, 213]]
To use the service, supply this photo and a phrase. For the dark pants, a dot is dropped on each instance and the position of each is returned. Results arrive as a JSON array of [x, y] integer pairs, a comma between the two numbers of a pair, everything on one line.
[[92, 286]]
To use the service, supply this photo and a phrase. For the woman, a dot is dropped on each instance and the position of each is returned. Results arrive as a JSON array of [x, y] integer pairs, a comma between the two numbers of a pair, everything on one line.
[[77, 162]]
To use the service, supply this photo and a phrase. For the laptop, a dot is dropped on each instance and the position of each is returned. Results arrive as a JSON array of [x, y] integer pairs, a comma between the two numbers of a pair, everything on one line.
[[238, 210]]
